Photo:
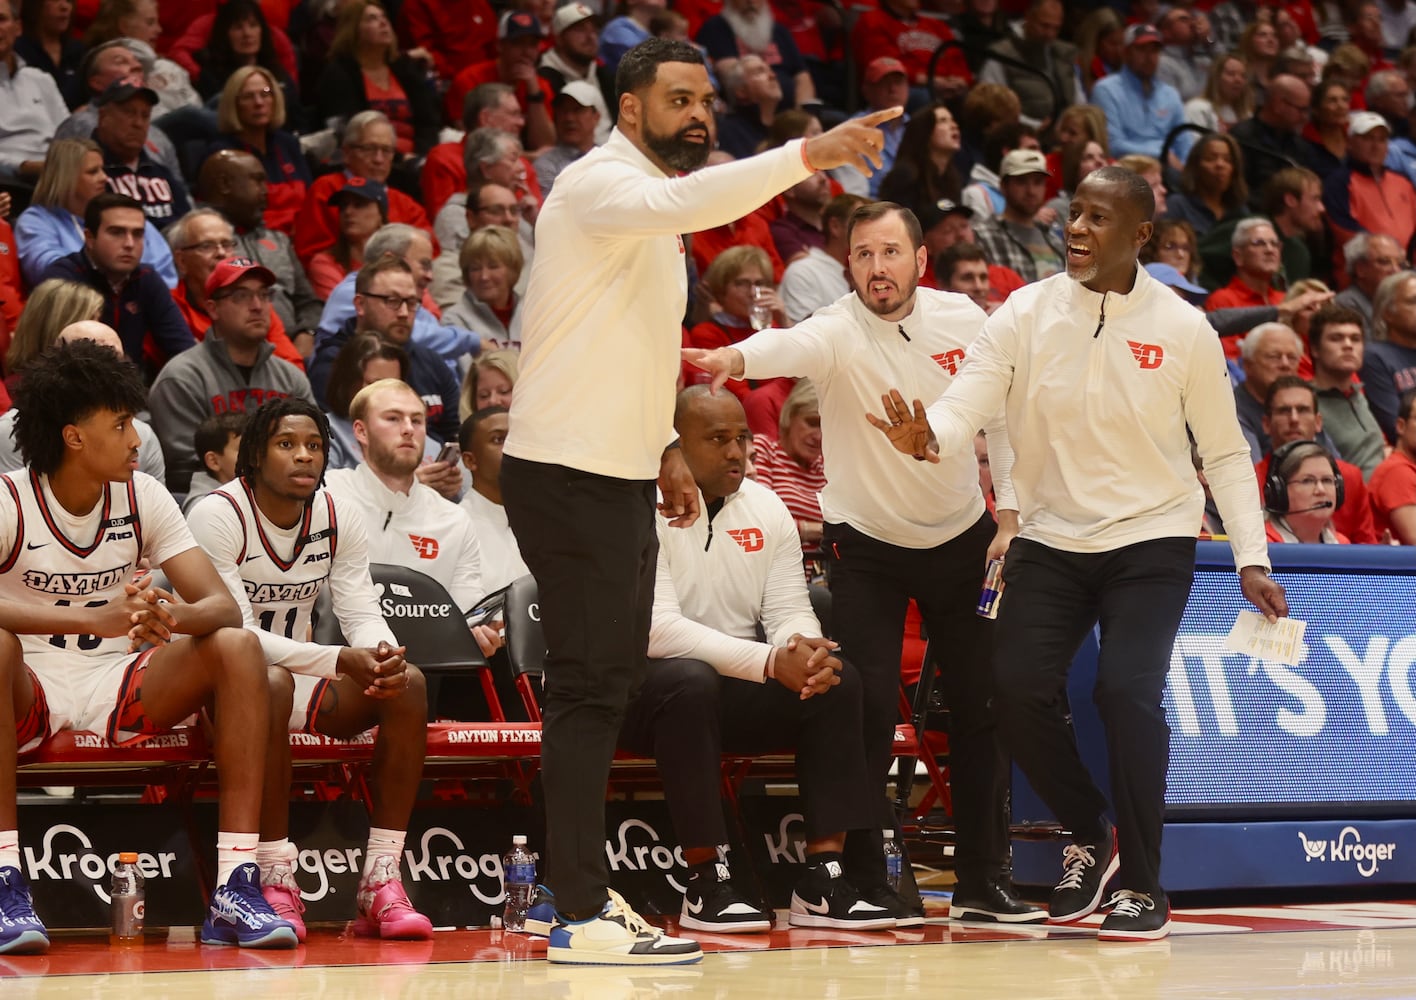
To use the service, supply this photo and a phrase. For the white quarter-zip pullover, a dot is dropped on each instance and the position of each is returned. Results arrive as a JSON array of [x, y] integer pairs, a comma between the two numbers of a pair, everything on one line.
[[719, 577], [600, 334], [1099, 390], [854, 357]]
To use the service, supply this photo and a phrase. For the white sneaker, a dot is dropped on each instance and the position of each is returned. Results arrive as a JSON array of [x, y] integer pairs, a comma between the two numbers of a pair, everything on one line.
[[618, 936]]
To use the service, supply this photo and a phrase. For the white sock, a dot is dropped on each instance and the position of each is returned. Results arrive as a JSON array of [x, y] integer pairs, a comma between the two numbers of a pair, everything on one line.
[[270, 853], [383, 844], [9, 849], [232, 851]]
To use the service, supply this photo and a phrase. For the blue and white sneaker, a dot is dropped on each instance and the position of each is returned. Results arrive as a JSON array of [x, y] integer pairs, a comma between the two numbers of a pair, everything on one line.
[[240, 915], [21, 932], [618, 936], [541, 916]]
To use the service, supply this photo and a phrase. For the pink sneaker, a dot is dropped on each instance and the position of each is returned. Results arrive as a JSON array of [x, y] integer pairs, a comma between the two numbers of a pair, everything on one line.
[[283, 896], [385, 911]]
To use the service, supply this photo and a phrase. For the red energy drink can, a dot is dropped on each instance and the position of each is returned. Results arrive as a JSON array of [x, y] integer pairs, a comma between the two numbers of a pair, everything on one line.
[[992, 589]]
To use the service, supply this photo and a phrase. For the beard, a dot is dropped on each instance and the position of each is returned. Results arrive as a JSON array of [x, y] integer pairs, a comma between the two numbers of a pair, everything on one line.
[[754, 31], [903, 294], [676, 151]]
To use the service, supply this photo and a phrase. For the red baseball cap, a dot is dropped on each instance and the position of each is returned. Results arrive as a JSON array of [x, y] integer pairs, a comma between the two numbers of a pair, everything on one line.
[[879, 68], [228, 272]]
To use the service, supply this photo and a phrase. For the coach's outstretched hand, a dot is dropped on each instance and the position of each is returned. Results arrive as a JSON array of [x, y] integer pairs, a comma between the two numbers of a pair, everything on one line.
[[908, 432], [855, 142], [722, 363]]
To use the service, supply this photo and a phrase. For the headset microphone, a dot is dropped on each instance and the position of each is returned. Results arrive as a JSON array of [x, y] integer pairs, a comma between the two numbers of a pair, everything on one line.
[[1325, 505]]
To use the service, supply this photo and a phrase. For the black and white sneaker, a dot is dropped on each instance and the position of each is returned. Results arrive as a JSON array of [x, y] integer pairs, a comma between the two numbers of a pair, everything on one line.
[[992, 901], [1136, 916], [906, 914], [712, 903], [1086, 870], [824, 899]]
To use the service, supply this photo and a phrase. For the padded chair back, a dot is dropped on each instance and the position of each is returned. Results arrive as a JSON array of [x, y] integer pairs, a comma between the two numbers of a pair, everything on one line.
[[425, 618], [525, 640]]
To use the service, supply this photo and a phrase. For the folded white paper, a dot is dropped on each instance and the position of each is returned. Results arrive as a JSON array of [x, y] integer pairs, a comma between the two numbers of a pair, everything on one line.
[[1280, 641]]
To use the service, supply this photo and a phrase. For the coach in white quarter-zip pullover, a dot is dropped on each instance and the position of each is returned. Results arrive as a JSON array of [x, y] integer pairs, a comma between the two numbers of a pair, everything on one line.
[[1102, 370], [897, 529], [591, 430]]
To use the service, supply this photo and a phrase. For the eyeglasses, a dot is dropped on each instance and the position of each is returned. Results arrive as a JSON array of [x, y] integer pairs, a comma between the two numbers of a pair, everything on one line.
[[396, 302], [246, 297], [211, 246], [1311, 482], [1259, 244], [372, 149], [265, 93]]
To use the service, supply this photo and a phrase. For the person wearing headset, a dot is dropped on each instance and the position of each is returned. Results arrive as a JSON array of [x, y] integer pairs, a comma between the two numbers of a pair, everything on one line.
[[1301, 492]]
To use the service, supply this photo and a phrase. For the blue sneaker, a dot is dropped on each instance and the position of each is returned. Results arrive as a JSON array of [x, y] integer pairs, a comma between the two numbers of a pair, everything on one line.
[[541, 917], [20, 930], [240, 915]]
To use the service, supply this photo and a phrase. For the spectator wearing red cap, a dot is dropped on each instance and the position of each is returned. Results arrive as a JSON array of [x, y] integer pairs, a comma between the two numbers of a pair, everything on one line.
[[749, 27], [886, 84], [368, 156], [233, 370], [1140, 109], [367, 72], [898, 30], [136, 301], [519, 37], [573, 56], [455, 34], [200, 241]]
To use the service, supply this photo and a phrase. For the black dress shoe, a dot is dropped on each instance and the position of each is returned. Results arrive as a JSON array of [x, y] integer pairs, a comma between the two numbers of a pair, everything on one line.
[[993, 901]]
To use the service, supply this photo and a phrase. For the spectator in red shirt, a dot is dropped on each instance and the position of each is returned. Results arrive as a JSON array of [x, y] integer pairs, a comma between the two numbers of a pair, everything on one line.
[[740, 282], [363, 211], [367, 72], [227, 37], [368, 153], [1393, 488], [1302, 495], [1256, 250], [1365, 196], [897, 30], [12, 299], [455, 34], [519, 38], [792, 466], [1291, 415], [748, 27], [488, 105]]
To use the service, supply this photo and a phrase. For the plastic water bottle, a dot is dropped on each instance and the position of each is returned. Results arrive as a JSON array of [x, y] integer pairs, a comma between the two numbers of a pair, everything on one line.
[[894, 861], [519, 876], [129, 895]]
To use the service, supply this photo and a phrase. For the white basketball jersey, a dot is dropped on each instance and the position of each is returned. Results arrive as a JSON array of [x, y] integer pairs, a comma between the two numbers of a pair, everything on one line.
[[88, 564], [283, 571]]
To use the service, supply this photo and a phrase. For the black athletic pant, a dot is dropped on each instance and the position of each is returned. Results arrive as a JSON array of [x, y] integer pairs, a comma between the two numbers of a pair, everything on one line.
[[590, 542], [872, 583], [1053, 598], [686, 714]]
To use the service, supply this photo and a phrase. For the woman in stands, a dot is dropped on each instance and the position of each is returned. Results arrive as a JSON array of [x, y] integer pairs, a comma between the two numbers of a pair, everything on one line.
[[51, 307], [924, 170], [359, 218], [491, 264], [1326, 131], [1174, 242], [47, 44], [240, 36], [366, 71], [739, 279], [1302, 494], [1259, 47], [53, 225], [792, 468], [1212, 187], [251, 117], [1227, 98], [489, 382]]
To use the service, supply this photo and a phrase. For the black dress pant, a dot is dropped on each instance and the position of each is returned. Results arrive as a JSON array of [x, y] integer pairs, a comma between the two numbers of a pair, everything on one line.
[[590, 542], [687, 714], [872, 583], [1053, 598]]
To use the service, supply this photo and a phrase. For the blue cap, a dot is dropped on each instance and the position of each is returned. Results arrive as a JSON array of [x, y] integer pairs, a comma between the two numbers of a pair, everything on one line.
[[1167, 274]]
